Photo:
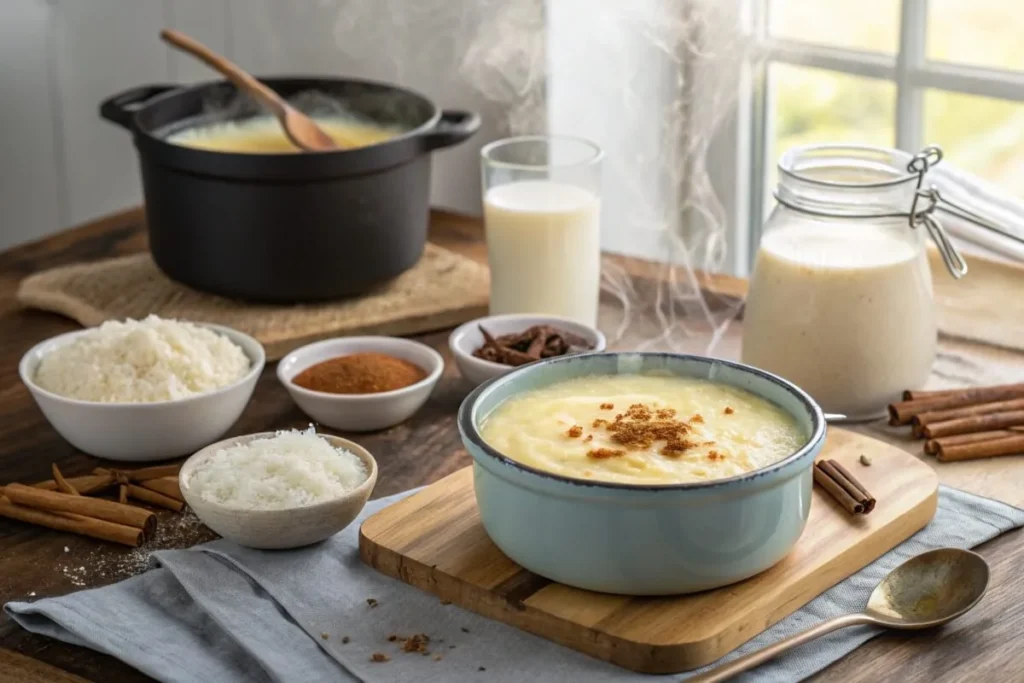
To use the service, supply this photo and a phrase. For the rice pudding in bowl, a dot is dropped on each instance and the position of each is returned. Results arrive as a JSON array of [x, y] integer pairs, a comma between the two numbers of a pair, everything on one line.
[[647, 506], [642, 429]]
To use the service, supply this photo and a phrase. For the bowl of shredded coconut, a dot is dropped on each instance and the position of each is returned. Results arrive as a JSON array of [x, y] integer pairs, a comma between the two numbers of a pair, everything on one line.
[[278, 490], [148, 389]]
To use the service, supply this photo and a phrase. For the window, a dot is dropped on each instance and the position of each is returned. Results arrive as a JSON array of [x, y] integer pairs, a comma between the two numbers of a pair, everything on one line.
[[902, 73]]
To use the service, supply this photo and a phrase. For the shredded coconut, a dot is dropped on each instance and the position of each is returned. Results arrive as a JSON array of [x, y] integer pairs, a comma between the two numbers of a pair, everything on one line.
[[142, 361], [291, 469]]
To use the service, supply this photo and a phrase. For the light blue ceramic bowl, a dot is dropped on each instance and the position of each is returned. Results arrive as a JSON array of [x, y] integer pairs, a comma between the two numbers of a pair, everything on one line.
[[642, 540]]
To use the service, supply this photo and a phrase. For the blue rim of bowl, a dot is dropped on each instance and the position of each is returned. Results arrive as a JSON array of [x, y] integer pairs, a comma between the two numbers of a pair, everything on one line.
[[256, 367], [432, 376], [469, 430]]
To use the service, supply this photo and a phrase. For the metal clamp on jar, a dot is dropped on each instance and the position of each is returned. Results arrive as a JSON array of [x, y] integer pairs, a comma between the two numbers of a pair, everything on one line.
[[841, 299]]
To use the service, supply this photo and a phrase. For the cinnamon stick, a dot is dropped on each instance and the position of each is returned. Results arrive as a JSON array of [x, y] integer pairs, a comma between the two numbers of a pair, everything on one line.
[[844, 487], [76, 524], [165, 485], [919, 421], [147, 473], [122, 494], [850, 483], [837, 492], [932, 446], [154, 498], [917, 394], [97, 508], [1011, 445], [902, 412], [89, 484], [974, 423], [62, 483]]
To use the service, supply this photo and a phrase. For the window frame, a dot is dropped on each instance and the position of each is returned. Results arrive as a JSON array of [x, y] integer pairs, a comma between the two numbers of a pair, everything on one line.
[[909, 69]]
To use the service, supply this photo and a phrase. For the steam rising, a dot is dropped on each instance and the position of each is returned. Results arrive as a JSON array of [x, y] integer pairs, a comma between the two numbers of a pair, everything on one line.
[[668, 71]]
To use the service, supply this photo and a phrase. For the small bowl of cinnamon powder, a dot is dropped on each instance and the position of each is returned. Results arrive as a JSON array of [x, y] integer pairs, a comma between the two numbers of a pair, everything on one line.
[[361, 384]]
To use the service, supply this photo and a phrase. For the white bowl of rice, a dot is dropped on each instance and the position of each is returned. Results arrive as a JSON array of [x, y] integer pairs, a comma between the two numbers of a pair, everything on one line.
[[141, 390], [277, 490]]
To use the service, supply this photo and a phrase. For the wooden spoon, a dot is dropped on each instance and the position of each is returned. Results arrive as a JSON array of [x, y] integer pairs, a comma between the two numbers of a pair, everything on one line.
[[299, 128]]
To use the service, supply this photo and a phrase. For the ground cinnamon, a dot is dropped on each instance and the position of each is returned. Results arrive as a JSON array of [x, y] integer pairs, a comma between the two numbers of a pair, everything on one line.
[[360, 373]]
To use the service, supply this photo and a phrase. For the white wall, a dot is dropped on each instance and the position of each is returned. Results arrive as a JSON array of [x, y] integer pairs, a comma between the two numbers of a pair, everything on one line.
[[61, 165]]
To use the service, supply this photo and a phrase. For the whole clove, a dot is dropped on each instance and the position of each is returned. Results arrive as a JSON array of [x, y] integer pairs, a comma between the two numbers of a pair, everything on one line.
[[532, 344]]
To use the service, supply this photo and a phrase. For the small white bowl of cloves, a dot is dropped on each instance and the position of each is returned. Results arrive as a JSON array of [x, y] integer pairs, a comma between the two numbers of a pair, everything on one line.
[[486, 348]]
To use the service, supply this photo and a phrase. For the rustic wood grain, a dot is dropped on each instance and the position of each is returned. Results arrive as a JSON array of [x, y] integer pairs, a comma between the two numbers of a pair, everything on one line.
[[984, 644], [434, 540]]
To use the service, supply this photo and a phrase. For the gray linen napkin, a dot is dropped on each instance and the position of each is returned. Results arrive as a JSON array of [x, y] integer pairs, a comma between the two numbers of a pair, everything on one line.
[[223, 613]]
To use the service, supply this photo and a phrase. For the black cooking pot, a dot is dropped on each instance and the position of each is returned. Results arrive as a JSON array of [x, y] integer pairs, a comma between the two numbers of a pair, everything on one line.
[[293, 227]]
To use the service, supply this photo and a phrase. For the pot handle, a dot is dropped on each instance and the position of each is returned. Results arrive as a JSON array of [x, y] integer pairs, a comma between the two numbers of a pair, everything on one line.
[[120, 108], [453, 127]]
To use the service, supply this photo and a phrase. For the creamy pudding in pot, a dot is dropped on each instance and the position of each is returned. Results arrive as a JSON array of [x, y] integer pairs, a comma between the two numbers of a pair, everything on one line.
[[642, 429], [264, 135]]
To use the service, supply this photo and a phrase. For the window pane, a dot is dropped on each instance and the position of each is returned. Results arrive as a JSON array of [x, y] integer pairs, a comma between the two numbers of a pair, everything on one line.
[[978, 32], [858, 24], [979, 134], [819, 106]]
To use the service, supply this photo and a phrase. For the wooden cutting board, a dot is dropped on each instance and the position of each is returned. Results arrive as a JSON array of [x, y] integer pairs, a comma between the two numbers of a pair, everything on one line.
[[443, 290], [434, 540]]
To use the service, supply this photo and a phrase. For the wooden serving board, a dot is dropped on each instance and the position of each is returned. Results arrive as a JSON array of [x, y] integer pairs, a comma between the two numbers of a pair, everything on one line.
[[434, 540], [443, 290]]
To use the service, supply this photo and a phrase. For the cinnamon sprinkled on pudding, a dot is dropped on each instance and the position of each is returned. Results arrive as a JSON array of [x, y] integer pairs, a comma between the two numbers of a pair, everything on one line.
[[602, 453], [729, 431]]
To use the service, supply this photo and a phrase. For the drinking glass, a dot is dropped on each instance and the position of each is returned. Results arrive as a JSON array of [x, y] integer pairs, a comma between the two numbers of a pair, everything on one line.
[[542, 212]]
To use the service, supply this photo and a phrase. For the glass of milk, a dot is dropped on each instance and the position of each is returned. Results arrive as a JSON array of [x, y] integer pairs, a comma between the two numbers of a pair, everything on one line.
[[542, 211], [840, 298]]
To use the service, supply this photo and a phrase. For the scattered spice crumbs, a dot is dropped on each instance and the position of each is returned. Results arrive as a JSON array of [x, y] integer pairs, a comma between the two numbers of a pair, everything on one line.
[[575, 431], [715, 455], [325, 635], [437, 658], [599, 423], [602, 453], [372, 602], [417, 642], [698, 418], [729, 410], [446, 602], [865, 460], [378, 657], [451, 647], [666, 413], [345, 640], [465, 630], [607, 406], [392, 638], [590, 437], [482, 668]]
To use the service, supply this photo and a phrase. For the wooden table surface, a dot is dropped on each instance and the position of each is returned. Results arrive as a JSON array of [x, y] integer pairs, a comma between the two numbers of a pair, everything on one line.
[[984, 645]]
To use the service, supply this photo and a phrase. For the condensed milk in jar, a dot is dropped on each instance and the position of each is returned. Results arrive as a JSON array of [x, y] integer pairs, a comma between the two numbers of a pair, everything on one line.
[[840, 298]]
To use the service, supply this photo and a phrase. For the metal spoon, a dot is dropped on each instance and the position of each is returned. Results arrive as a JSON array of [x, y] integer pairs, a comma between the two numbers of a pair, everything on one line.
[[925, 591], [299, 128]]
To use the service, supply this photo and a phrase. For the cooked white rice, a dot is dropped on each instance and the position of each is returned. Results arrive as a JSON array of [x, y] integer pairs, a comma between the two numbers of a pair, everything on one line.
[[142, 361], [290, 469]]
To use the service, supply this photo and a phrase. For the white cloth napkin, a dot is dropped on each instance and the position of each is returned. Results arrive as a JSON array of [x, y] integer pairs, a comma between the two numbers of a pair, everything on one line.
[[223, 613]]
